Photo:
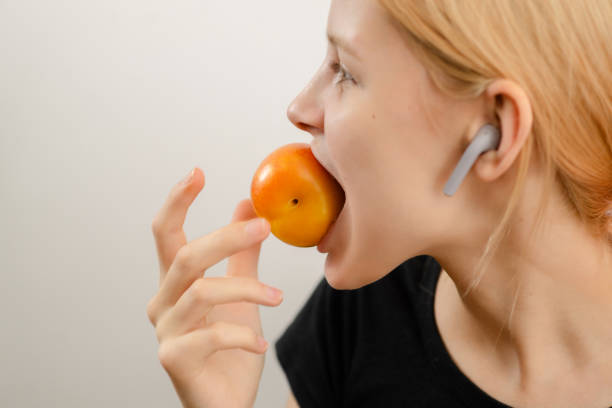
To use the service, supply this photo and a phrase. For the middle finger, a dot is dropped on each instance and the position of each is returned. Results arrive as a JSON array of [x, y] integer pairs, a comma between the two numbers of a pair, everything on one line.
[[191, 309], [202, 253]]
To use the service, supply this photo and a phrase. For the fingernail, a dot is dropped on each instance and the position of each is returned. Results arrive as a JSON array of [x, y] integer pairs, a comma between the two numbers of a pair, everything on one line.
[[189, 177], [274, 293], [255, 228]]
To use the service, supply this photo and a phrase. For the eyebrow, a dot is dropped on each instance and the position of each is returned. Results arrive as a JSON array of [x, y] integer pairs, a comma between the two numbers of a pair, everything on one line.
[[342, 43]]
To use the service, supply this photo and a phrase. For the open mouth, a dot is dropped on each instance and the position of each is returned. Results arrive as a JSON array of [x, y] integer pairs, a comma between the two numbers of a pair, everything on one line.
[[319, 151], [324, 244]]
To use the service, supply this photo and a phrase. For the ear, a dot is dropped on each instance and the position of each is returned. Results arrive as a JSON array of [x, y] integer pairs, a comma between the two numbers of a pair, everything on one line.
[[512, 109]]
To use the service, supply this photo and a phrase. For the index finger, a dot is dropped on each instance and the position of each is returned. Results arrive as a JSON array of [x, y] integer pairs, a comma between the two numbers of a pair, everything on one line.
[[168, 223]]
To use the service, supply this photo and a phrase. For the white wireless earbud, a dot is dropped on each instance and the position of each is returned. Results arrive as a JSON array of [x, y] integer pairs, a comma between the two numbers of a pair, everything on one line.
[[487, 138]]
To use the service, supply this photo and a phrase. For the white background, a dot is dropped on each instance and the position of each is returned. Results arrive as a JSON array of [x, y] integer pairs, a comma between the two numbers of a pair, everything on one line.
[[104, 106]]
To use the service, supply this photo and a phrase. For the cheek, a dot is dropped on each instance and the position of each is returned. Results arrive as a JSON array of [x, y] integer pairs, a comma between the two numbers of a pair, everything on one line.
[[370, 139], [383, 157], [362, 147], [351, 133], [412, 147]]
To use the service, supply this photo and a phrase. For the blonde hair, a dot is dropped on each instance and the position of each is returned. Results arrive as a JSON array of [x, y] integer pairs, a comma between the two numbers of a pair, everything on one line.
[[560, 53]]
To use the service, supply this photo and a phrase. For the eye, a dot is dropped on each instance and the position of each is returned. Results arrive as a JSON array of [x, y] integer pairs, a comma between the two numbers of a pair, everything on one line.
[[342, 73]]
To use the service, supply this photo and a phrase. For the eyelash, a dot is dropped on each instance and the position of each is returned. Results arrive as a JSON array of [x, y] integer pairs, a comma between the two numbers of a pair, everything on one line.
[[341, 72]]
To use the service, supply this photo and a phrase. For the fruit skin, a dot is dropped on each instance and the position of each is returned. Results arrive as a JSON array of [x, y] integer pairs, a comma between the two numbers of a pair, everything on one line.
[[296, 194]]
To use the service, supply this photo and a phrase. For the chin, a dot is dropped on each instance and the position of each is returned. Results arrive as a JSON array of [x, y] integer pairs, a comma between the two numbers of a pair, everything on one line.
[[346, 278], [344, 270], [341, 284], [336, 277]]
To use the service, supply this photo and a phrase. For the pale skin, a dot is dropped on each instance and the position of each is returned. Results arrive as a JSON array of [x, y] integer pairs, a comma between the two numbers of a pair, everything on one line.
[[392, 140], [208, 327]]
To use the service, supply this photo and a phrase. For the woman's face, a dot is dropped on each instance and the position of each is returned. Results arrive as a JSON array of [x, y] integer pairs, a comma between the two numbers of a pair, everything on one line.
[[390, 139]]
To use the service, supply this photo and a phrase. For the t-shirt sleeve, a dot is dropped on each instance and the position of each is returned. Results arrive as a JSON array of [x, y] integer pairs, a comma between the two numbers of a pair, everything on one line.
[[316, 349]]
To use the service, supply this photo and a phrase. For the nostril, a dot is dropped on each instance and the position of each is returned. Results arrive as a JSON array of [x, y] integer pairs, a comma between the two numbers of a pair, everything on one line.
[[303, 126]]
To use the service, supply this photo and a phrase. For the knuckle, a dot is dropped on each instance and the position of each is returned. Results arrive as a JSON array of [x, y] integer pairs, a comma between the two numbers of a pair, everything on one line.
[[167, 355], [246, 289], [259, 291], [152, 312], [183, 256], [200, 290], [158, 334], [251, 289], [156, 226], [215, 338], [252, 336], [217, 333], [243, 282], [225, 237], [161, 331], [260, 287]]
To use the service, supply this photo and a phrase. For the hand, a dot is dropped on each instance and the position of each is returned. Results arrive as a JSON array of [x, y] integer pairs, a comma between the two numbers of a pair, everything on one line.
[[209, 329]]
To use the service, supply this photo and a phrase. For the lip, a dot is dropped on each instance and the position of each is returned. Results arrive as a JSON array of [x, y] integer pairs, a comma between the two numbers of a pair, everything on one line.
[[323, 246], [319, 151]]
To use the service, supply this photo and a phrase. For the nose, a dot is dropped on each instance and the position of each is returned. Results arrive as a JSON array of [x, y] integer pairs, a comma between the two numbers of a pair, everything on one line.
[[306, 111]]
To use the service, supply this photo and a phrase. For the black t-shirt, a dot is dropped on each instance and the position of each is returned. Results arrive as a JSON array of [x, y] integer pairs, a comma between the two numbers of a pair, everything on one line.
[[376, 346]]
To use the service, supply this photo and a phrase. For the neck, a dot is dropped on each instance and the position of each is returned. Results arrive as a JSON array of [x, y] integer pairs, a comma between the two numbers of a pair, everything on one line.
[[544, 302]]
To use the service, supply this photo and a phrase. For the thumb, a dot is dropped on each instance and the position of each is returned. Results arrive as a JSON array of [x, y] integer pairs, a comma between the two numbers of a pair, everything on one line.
[[244, 263]]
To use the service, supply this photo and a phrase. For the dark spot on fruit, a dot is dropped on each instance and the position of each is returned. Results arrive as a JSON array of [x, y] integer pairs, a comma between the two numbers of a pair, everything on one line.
[[373, 116], [294, 201]]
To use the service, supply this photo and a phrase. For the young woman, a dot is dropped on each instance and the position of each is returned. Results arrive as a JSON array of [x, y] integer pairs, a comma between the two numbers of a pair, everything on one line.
[[497, 295]]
